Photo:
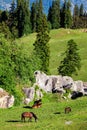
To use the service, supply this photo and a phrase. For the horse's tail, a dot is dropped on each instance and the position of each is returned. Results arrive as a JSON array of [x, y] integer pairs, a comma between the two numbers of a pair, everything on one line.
[[34, 116]]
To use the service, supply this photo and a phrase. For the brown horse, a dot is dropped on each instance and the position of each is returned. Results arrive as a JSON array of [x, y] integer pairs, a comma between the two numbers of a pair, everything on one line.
[[38, 101], [67, 110], [29, 115], [37, 104]]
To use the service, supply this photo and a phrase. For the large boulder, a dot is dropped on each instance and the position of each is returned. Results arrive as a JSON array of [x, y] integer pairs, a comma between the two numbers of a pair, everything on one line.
[[48, 82], [6, 100]]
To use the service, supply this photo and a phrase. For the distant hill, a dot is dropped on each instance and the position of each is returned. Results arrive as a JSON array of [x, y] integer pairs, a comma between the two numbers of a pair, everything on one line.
[[5, 4]]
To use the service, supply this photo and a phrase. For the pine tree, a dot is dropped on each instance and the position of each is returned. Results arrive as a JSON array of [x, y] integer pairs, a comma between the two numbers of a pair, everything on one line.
[[71, 62], [39, 14], [66, 17], [12, 20], [23, 17], [41, 46], [81, 12], [76, 17], [54, 14], [62, 15], [33, 16]]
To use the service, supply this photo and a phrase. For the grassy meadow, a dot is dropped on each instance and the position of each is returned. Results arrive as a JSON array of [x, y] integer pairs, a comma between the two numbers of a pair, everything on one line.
[[48, 117], [57, 43]]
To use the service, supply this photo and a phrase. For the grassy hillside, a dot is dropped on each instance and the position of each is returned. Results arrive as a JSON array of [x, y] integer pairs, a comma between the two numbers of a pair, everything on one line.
[[58, 42], [48, 119]]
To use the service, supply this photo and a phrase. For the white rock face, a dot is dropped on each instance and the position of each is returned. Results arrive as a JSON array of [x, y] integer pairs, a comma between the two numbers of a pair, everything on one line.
[[6, 100], [29, 92], [58, 83]]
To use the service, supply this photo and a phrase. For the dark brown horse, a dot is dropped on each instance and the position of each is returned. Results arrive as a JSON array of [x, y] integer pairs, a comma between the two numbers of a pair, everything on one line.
[[67, 110], [29, 115], [37, 104]]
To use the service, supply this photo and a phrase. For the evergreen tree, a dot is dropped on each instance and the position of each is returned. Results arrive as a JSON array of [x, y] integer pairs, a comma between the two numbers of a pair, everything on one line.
[[71, 63], [39, 14], [23, 17], [62, 14], [81, 11], [33, 16], [76, 17], [12, 20], [3, 16], [41, 46], [66, 17], [54, 14]]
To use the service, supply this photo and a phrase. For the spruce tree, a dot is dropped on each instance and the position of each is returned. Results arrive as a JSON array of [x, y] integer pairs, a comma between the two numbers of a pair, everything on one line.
[[71, 62], [54, 14], [66, 17], [41, 47], [81, 10], [23, 17], [76, 19], [33, 16], [12, 20]]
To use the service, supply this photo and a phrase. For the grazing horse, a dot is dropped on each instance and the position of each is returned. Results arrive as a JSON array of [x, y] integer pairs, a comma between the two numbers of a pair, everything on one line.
[[67, 110], [29, 115], [37, 103]]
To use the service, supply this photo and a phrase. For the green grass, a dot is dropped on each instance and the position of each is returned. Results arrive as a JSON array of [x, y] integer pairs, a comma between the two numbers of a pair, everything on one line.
[[10, 119], [57, 43]]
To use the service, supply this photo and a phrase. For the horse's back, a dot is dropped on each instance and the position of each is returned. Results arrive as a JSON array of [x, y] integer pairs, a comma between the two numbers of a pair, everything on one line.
[[26, 114]]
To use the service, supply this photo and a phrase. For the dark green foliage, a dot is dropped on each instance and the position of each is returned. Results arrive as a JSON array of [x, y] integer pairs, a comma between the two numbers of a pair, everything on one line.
[[33, 16], [5, 30], [41, 46], [71, 63], [81, 12], [66, 18], [16, 67], [23, 18], [79, 17], [12, 20], [3, 16], [7, 75], [54, 14]]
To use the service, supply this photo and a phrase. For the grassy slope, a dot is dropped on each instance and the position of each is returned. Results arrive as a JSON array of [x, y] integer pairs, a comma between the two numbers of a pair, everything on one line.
[[58, 42], [10, 118]]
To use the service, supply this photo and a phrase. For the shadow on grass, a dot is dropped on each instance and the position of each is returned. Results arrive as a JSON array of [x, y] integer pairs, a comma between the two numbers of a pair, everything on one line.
[[57, 113], [13, 121], [29, 107]]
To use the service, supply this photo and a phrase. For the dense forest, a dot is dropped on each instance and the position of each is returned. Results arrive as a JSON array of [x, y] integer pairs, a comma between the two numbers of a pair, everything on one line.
[[19, 21]]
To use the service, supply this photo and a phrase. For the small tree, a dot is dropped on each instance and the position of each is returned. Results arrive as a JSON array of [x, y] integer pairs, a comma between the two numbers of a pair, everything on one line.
[[71, 63]]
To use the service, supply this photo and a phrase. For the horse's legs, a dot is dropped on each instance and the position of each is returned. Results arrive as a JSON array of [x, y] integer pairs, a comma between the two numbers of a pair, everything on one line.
[[30, 119]]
